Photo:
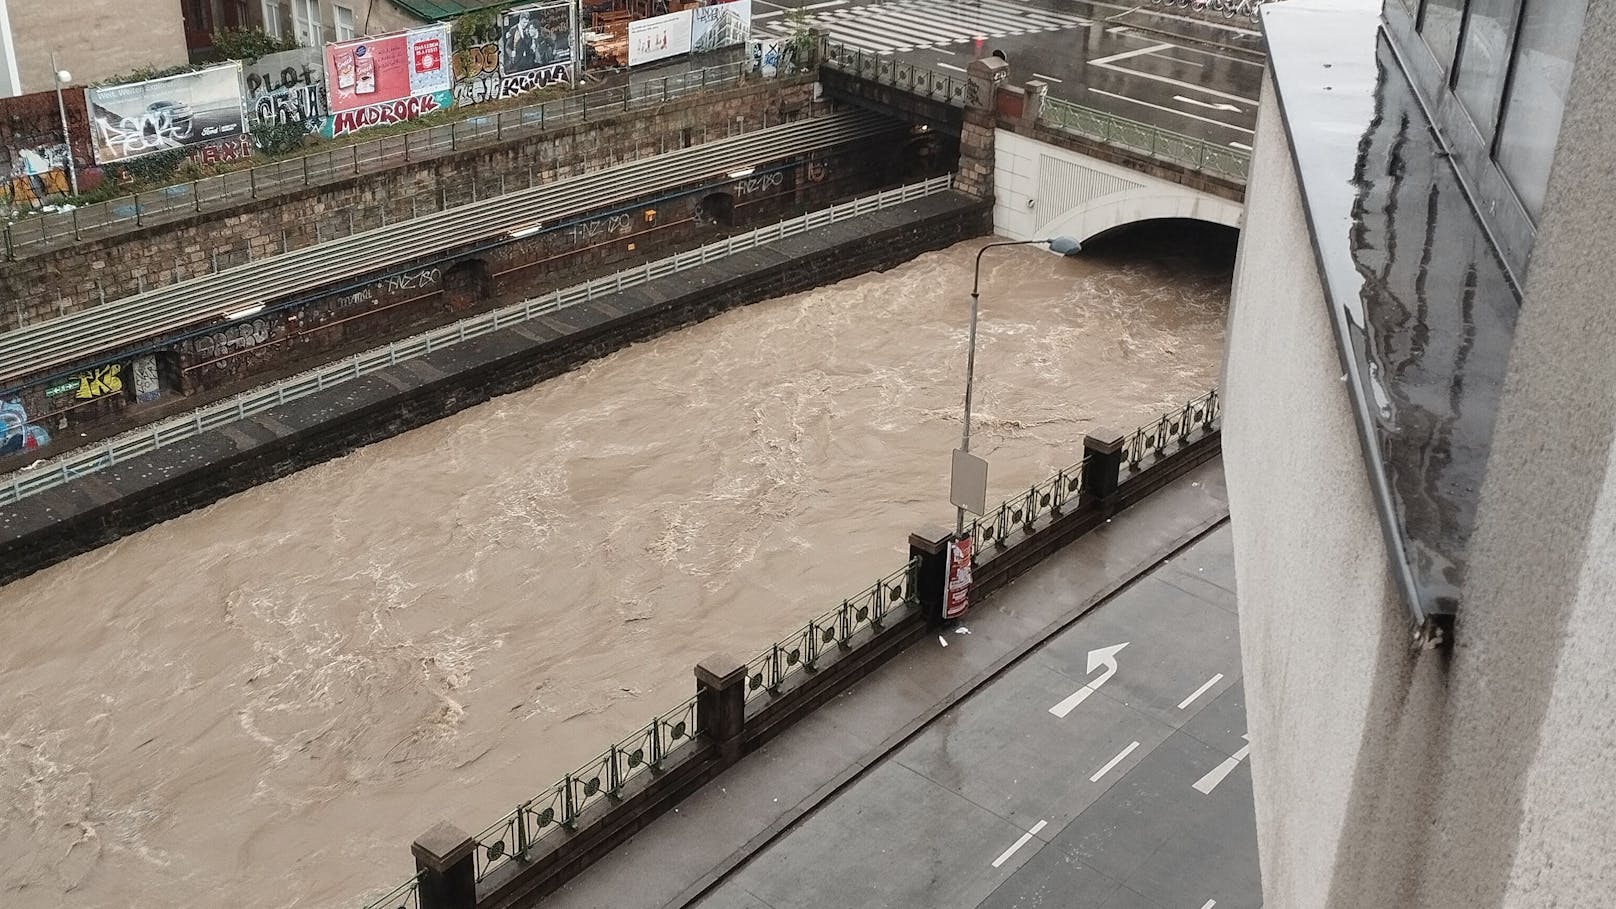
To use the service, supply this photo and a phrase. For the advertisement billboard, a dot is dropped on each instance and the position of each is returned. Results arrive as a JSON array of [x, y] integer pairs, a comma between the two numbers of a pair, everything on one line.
[[719, 25], [386, 80], [535, 47], [476, 74], [287, 88], [659, 37], [957, 596], [191, 109]]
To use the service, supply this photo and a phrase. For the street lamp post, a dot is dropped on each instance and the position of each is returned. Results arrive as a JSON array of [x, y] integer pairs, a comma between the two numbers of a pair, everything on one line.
[[61, 76], [1066, 246]]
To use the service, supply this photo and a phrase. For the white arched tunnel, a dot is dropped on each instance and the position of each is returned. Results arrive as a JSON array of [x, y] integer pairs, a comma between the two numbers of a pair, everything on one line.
[[1045, 191]]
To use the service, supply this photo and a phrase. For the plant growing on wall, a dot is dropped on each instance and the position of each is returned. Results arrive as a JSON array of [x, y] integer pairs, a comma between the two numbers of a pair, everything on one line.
[[248, 44], [801, 42], [480, 26], [278, 138]]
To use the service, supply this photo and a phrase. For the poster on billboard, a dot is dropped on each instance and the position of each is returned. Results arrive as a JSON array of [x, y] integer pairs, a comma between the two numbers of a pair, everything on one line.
[[659, 37], [957, 597], [140, 118], [287, 88], [476, 74], [535, 47], [386, 80], [720, 25]]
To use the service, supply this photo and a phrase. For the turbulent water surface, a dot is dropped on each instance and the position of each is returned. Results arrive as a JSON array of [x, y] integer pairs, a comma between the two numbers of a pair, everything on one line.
[[306, 675]]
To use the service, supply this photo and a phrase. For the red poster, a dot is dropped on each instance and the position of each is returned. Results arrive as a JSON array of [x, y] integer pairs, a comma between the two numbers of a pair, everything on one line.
[[428, 57], [959, 578]]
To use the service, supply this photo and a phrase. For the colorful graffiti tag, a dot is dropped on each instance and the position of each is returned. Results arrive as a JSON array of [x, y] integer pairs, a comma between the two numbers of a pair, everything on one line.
[[476, 74], [16, 433], [90, 384], [389, 113]]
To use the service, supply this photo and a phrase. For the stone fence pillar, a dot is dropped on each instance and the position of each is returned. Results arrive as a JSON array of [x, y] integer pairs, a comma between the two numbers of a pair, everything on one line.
[[1102, 463], [930, 546], [1037, 91], [446, 864], [976, 136], [721, 703]]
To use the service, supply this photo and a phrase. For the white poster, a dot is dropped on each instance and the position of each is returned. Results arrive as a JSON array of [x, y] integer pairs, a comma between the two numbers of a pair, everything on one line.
[[430, 68], [659, 38], [720, 25]]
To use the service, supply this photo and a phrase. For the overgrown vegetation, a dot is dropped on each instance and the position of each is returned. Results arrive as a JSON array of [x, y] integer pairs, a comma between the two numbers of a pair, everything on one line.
[[277, 138], [147, 73], [480, 26], [249, 44]]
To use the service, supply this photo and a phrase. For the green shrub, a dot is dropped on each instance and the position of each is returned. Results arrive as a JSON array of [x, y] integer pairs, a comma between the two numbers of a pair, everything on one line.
[[277, 138], [248, 44]]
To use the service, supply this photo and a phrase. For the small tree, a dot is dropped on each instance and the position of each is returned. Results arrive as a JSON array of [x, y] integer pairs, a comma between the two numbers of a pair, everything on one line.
[[801, 42], [478, 27], [249, 44]]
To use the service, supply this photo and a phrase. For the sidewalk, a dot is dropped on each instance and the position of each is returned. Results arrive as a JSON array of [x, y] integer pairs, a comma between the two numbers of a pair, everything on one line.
[[683, 854]]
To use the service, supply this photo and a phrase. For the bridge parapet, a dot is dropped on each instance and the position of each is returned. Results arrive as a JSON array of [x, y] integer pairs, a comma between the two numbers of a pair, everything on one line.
[[941, 100]]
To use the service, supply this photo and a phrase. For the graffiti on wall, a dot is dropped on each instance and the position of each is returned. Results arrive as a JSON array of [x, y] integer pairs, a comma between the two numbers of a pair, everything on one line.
[[230, 339], [90, 384], [238, 149], [609, 226], [751, 186], [37, 174], [16, 433], [535, 79], [425, 279], [387, 114], [476, 74], [147, 388], [288, 87]]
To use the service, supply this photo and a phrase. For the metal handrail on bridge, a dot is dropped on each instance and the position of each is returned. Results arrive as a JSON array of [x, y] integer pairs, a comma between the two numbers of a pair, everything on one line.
[[342, 162], [54, 473], [101, 330], [1162, 144]]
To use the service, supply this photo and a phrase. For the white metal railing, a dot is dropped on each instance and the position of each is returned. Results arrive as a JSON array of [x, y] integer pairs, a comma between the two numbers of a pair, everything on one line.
[[59, 471]]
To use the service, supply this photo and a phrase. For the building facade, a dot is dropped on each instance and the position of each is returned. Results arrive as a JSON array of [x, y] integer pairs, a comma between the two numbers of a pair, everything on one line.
[[92, 39], [317, 22], [1420, 439]]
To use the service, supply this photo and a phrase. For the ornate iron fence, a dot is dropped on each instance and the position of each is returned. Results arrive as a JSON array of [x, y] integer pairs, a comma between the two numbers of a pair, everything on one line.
[[1197, 154], [513, 837], [1151, 441], [1020, 513], [405, 896], [907, 76], [341, 162], [832, 632]]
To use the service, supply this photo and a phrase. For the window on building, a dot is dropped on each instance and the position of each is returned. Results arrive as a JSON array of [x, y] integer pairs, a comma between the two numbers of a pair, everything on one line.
[[1439, 27], [1534, 102], [1489, 36], [344, 22], [274, 19], [307, 15]]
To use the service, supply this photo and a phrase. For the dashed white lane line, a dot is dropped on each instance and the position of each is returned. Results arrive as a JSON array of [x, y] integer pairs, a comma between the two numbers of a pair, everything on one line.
[[1153, 49], [1047, 78], [1213, 777], [1005, 855], [1240, 145], [1205, 685], [1209, 904], [1113, 762], [957, 69]]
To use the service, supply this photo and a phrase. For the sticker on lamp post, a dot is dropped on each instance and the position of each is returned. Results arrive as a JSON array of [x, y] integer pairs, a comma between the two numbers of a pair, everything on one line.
[[959, 578]]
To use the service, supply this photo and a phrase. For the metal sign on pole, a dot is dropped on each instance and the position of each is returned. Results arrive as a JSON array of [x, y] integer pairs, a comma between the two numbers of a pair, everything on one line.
[[968, 482]]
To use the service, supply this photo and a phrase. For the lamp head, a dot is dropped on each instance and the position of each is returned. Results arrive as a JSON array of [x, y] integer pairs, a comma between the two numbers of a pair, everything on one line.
[[64, 76], [1066, 246]]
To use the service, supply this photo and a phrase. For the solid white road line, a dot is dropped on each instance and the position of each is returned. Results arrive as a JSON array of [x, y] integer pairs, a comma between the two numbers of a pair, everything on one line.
[[1113, 762], [1005, 855], [1155, 48], [1209, 682], [1220, 106], [1249, 132], [1047, 78], [757, 16], [1209, 904], [1240, 145], [1213, 777], [957, 69], [825, 5]]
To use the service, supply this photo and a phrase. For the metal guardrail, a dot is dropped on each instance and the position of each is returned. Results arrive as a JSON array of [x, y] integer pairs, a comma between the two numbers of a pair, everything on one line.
[[23, 483], [100, 330], [50, 230], [1152, 440], [833, 632], [1163, 144], [1166, 145]]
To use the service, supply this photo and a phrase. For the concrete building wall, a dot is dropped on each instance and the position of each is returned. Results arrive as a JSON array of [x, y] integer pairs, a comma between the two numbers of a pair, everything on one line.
[[1311, 641], [1484, 776], [94, 39]]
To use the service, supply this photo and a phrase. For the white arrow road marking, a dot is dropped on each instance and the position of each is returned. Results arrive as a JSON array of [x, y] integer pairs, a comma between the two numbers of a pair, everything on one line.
[[1213, 777], [1113, 762], [1106, 657], [1227, 107], [1200, 691], [1005, 855], [1153, 49], [1209, 904]]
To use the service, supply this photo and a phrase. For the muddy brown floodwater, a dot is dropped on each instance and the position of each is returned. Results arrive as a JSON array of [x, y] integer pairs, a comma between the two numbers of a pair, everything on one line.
[[308, 674]]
